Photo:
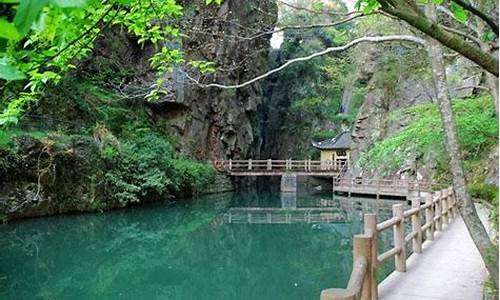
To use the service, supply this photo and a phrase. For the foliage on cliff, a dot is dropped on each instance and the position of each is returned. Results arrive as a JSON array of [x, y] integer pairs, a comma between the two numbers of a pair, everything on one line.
[[477, 132]]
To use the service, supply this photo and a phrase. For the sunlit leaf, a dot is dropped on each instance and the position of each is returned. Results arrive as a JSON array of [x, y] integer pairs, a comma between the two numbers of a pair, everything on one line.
[[438, 2], [458, 12], [8, 30]]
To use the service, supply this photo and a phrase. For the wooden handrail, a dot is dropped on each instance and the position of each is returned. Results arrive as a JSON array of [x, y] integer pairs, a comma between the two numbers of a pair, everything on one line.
[[361, 280], [439, 209]]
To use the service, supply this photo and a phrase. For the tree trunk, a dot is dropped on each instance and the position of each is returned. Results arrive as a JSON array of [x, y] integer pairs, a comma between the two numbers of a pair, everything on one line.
[[465, 204]]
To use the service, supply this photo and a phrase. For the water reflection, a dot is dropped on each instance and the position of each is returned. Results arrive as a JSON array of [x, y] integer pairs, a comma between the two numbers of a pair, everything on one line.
[[182, 251]]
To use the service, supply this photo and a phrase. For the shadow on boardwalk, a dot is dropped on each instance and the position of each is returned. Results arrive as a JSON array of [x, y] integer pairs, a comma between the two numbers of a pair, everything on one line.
[[450, 268]]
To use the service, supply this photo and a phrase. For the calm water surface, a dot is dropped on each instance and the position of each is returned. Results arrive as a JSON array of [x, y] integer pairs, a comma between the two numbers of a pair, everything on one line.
[[188, 250]]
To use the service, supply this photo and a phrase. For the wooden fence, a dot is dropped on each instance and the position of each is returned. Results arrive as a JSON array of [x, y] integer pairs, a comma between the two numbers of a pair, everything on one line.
[[438, 209], [386, 184]]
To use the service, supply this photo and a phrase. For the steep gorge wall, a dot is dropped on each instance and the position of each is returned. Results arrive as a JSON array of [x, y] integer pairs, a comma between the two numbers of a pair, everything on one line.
[[216, 123]]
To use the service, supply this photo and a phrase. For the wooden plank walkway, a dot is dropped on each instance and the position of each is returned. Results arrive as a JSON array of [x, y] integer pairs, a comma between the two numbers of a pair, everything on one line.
[[449, 268]]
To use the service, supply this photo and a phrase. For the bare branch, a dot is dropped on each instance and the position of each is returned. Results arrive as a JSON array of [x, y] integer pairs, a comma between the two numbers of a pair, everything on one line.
[[366, 39], [313, 11], [461, 33], [479, 87], [288, 27]]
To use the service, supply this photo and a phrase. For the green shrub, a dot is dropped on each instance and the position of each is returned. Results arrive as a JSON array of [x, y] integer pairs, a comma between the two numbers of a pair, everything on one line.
[[486, 192], [192, 177], [141, 169]]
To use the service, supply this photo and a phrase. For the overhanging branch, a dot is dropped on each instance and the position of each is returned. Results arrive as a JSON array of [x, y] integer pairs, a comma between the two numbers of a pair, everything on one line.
[[366, 39]]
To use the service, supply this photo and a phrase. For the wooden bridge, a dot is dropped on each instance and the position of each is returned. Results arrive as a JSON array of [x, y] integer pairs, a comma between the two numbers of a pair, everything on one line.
[[439, 209], [270, 167], [338, 170]]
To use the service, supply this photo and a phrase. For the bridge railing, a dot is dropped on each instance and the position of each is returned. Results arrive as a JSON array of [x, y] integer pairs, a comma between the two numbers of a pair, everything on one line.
[[388, 184], [271, 165], [439, 209]]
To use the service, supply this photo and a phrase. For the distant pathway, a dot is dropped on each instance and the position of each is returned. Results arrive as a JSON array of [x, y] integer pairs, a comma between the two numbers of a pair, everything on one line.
[[450, 268]]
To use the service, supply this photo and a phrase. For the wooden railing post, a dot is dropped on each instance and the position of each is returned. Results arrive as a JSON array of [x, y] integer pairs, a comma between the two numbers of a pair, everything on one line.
[[444, 208], [429, 218], [451, 211], [230, 164], [399, 237], [269, 164], [438, 211], [370, 228], [362, 245], [454, 201], [250, 164], [416, 226], [359, 285]]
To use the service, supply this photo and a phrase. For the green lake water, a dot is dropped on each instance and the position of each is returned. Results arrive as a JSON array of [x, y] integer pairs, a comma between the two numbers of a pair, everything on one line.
[[186, 250]]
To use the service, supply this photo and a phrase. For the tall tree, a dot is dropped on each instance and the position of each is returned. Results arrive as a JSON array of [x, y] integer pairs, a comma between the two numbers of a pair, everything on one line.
[[465, 204]]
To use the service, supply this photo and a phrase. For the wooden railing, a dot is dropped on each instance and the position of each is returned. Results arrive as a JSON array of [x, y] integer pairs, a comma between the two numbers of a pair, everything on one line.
[[439, 209], [270, 165], [391, 184]]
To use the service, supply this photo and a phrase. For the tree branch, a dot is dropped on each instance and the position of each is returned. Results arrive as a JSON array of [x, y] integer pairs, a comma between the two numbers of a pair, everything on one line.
[[450, 40], [366, 39], [288, 27], [464, 34], [313, 11], [493, 25]]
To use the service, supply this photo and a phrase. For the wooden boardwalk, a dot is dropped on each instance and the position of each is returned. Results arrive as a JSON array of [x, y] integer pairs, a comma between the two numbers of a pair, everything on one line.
[[439, 210], [449, 268]]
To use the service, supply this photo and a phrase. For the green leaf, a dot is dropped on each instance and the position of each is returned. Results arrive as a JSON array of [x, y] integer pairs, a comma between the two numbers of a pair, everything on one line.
[[488, 36], [438, 2], [8, 30], [318, 5], [124, 2], [27, 13], [9, 1], [9, 72], [459, 13], [69, 3], [422, 2]]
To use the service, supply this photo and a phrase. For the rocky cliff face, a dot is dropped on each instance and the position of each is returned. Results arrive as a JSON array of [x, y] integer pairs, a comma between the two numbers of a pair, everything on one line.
[[219, 123], [205, 123], [374, 123]]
